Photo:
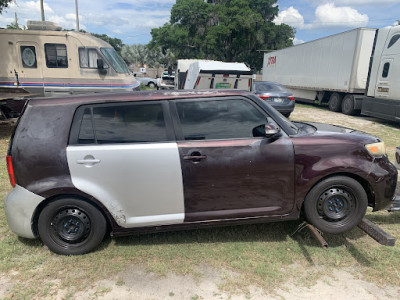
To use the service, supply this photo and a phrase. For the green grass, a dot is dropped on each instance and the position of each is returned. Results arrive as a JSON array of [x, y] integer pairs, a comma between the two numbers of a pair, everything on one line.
[[265, 255]]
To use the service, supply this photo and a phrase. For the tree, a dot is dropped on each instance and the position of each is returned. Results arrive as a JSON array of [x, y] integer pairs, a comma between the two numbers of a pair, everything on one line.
[[4, 4], [142, 55], [227, 30], [115, 42]]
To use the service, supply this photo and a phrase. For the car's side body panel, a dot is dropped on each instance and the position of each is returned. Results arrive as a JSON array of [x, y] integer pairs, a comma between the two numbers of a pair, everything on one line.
[[239, 178], [139, 184]]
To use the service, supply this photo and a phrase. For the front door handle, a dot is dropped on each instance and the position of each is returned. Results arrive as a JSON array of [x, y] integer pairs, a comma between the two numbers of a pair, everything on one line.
[[195, 157]]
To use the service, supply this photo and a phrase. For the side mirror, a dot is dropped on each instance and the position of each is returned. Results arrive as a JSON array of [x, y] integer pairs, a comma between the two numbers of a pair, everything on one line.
[[268, 130], [100, 66]]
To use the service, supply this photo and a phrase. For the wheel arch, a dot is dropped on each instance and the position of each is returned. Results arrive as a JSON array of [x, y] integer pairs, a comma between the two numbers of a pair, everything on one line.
[[108, 217], [364, 183]]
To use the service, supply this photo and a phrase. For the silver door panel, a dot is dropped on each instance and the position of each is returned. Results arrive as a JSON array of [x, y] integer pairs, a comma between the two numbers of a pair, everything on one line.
[[140, 184]]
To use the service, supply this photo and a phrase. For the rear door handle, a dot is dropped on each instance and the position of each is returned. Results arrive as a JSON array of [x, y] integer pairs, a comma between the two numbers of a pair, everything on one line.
[[88, 161]]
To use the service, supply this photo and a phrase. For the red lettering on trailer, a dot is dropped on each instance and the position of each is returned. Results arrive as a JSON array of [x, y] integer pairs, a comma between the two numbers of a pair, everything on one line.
[[271, 60]]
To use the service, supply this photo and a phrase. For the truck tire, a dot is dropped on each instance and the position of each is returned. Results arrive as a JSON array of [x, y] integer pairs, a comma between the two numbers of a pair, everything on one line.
[[336, 204], [335, 102], [348, 105], [71, 226]]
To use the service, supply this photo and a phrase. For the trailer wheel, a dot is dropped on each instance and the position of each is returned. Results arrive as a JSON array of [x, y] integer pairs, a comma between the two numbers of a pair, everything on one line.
[[348, 105], [335, 102], [336, 204]]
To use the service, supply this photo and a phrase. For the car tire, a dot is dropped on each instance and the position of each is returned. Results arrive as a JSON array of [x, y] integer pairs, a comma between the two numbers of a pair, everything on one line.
[[348, 105], [335, 102], [287, 115], [71, 226], [151, 85], [336, 204]]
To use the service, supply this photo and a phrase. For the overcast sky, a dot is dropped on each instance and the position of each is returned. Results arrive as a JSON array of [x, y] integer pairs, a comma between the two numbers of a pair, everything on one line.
[[132, 20]]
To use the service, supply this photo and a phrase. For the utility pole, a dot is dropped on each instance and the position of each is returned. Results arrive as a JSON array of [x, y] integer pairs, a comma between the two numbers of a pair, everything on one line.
[[77, 15], [42, 9]]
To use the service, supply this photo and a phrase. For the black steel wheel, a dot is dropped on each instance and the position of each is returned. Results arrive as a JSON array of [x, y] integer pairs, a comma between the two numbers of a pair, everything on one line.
[[71, 226], [335, 102], [336, 204]]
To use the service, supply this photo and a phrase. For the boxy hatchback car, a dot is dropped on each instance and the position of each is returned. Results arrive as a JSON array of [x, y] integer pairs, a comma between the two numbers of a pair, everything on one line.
[[169, 160], [276, 95]]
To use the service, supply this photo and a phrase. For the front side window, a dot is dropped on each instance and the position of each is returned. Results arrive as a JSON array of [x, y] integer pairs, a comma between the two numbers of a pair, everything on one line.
[[115, 60], [56, 55], [122, 123], [28, 56], [88, 58], [217, 119]]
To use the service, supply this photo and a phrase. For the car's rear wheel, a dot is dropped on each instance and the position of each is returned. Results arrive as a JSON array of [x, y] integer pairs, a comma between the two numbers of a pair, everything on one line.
[[336, 204], [335, 102], [71, 226], [152, 85], [287, 115]]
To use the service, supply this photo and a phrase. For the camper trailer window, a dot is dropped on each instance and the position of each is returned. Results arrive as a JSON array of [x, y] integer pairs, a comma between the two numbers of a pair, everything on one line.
[[56, 55], [88, 58], [28, 55], [115, 60]]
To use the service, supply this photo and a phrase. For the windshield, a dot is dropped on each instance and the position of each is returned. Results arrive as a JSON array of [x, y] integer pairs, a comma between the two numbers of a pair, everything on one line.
[[115, 60]]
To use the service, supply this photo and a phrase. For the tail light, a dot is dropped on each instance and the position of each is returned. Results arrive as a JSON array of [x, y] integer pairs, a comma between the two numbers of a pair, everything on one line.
[[10, 170], [198, 80], [291, 98], [226, 75], [249, 82], [263, 96]]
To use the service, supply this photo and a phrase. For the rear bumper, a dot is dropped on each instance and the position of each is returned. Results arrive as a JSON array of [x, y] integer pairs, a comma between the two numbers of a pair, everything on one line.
[[283, 108], [20, 205]]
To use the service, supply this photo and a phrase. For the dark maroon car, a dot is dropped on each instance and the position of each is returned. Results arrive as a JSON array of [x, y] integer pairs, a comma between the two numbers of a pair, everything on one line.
[[155, 161]]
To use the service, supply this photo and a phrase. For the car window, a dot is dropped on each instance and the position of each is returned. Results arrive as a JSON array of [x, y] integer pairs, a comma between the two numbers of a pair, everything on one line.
[[127, 123], [218, 119]]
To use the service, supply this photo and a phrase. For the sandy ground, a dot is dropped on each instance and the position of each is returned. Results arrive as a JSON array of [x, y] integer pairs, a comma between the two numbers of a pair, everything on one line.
[[136, 283]]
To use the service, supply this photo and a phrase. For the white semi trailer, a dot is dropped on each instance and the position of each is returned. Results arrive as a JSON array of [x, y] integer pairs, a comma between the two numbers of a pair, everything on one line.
[[354, 71]]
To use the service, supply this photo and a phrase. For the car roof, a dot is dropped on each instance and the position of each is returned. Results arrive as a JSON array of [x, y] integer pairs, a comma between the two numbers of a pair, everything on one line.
[[135, 96]]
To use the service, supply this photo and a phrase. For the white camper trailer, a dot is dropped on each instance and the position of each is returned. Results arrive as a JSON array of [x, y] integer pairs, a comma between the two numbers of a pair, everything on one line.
[[50, 63], [208, 74]]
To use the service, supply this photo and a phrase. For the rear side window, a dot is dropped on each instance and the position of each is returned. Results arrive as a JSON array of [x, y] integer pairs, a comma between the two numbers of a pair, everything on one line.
[[216, 119], [119, 123], [28, 56], [56, 55]]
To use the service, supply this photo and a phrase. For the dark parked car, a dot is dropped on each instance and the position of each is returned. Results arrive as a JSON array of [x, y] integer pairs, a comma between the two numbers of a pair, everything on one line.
[[275, 94], [168, 160]]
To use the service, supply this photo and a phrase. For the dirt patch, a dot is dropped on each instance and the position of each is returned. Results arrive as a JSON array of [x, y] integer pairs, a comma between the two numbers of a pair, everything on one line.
[[6, 286], [136, 283]]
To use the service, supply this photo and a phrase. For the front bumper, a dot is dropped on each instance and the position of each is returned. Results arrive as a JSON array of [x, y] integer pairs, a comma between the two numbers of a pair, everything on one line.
[[384, 180], [20, 205]]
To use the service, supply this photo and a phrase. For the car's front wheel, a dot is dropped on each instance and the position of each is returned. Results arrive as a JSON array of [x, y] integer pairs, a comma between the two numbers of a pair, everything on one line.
[[336, 204], [71, 226], [151, 85]]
